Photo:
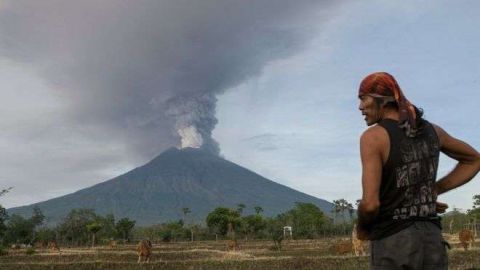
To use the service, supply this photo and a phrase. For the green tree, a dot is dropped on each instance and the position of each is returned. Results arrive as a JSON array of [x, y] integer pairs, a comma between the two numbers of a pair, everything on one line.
[[476, 201], [124, 228], [253, 224], [340, 207], [351, 211], [171, 231], [19, 230], [187, 211], [37, 216], [223, 220], [305, 218], [343, 207], [474, 213], [274, 227], [37, 220], [335, 210], [454, 220], [258, 210], [23, 231], [3, 226], [73, 228], [240, 208], [108, 231], [45, 235], [94, 227], [3, 218]]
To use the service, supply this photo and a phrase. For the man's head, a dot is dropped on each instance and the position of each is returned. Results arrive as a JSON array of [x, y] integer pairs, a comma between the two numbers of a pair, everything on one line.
[[380, 92], [373, 108]]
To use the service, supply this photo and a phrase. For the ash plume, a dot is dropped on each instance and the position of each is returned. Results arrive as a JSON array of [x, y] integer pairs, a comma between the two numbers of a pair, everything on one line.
[[147, 71]]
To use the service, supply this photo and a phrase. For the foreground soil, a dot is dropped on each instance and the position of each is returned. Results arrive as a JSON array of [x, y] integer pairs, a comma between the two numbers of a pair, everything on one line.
[[325, 254]]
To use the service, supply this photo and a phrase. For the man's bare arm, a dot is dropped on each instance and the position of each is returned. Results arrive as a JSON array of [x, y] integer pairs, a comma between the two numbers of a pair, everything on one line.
[[370, 152], [468, 161]]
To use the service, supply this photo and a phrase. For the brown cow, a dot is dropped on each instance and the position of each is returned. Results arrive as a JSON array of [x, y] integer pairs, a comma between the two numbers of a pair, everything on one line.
[[53, 246], [112, 244], [466, 238], [232, 245], [144, 250], [357, 244]]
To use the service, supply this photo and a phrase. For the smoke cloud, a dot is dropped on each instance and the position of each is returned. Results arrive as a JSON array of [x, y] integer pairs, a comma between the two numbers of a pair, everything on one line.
[[146, 71]]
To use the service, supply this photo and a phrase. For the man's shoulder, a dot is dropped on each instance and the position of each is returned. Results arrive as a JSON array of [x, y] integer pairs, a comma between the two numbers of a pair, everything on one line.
[[436, 127], [441, 133], [374, 135], [374, 132]]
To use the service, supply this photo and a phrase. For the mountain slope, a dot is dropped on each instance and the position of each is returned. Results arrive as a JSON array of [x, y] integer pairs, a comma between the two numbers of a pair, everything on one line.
[[157, 191]]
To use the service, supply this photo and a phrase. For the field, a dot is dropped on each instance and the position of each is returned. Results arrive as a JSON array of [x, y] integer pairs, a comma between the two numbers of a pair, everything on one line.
[[212, 255]]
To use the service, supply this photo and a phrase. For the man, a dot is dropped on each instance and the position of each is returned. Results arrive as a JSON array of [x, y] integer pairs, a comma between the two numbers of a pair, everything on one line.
[[399, 154]]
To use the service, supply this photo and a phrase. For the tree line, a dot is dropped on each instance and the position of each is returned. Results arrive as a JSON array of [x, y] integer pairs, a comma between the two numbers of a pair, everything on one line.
[[83, 227]]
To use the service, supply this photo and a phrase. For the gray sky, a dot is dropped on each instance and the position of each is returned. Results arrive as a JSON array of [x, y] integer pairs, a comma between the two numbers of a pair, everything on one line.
[[91, 89]]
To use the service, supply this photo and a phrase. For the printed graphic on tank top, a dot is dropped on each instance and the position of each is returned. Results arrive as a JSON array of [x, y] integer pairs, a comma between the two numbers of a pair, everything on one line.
[[415, 177]]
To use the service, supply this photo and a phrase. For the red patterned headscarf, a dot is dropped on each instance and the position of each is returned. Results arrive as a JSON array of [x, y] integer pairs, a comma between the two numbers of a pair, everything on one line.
[[384, 85]]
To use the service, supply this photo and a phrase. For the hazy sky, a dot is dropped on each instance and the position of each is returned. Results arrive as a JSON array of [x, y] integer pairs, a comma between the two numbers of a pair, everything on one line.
[[92, 89]]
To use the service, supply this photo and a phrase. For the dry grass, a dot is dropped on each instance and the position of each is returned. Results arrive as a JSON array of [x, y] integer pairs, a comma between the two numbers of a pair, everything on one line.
[[296, 254]]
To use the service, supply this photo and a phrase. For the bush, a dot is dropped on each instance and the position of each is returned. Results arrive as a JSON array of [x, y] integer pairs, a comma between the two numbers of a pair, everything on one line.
[[3, 251], [30, 251]]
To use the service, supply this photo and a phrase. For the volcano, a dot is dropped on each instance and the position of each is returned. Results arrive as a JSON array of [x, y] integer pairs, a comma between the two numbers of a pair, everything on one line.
[[158, 191]]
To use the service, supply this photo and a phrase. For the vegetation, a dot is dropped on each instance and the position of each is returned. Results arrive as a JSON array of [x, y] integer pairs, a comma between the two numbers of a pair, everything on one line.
[[223, 220], [314, 234], [209, 255], [124, 228], [3, 219], [456, 220], [84, 227]]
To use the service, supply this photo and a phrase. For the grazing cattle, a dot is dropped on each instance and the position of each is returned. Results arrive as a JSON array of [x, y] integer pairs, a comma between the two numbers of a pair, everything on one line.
[[144, 250], [357, 244], [466, 238], [112, 244], [53, 246], [232, 245]]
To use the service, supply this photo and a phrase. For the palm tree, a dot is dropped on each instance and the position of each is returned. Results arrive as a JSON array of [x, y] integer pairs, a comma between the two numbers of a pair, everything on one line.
[[335, 210], [94, 227], [351, 210], [185, 212], [258, 210], [240, 208]]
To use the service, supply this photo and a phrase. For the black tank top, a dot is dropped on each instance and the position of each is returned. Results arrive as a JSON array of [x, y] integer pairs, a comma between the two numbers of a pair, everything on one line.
[[408, 180]]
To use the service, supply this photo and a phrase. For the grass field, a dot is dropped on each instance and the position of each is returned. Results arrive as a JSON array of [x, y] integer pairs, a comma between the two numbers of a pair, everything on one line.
[[212, 255]]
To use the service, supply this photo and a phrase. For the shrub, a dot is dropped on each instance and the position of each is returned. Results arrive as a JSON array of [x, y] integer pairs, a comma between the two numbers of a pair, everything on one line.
[[30, 251], [3, 251]]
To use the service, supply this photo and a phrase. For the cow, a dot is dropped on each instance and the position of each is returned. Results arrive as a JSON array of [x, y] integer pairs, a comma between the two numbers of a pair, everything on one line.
[[53, 246], [232, 245], [112, 244], [357, 244], [144, 250], [466, 238]]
